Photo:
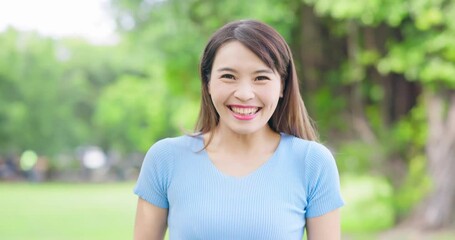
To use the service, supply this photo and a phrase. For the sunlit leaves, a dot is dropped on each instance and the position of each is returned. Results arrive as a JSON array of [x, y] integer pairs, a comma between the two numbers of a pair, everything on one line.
[[368, 12], [438, 69], [426, 57], [132, 113], [429, 18]]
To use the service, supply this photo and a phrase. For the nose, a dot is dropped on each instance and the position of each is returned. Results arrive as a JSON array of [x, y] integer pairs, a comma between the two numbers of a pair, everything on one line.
[[244, 91]]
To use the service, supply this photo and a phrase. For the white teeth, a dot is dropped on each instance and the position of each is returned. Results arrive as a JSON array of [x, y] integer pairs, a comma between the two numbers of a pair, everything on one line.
[[244, 111]]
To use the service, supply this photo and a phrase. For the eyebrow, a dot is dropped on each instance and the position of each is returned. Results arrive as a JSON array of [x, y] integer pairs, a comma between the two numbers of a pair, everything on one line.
[[233, 70]]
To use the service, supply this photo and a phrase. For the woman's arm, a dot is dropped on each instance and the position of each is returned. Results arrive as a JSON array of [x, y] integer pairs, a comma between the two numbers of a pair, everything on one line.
[[151, 221], [325, 227]]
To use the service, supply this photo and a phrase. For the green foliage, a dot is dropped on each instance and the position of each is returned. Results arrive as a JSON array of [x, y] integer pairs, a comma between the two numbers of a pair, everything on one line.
[[419, 46], [184, 114], [368, 206], [411, 133], [132, 113], [325, 104], [411, 130], [428, 58], [359, 157], [427, 53], [368, 12], [30, 80], [48, 92], [417, 184]]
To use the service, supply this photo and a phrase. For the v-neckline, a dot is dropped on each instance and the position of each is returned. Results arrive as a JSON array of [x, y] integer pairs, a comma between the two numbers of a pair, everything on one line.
[[257, 171]]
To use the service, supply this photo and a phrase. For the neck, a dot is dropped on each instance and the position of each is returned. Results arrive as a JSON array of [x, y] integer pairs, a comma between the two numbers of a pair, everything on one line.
[[225, 140]]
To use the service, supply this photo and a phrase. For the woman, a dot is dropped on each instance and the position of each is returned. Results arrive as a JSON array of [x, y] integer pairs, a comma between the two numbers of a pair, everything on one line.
[[253, 170]]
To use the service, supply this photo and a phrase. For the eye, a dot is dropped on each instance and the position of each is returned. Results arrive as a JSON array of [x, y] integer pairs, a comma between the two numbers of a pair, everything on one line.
[[262, 78], [228, 76]]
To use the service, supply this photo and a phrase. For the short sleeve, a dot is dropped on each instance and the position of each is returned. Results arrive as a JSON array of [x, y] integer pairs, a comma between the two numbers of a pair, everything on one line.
[[323, 189], [153, 179]]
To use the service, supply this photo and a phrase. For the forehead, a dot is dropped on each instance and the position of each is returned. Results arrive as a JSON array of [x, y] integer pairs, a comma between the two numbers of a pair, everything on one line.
[[236, 55]]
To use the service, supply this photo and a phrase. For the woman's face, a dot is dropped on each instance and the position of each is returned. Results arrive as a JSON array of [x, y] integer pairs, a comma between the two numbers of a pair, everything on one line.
[[244, 90]]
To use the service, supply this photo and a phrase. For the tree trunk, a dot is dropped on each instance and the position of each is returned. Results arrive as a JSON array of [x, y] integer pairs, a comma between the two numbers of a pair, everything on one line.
[[439, 208], [309, 48], [356, 99]]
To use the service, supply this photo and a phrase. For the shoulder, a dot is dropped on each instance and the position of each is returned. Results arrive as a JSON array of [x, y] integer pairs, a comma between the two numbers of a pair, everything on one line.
[[319, 151], [168, 148], [174, 144], [299, 145], [313, 153]]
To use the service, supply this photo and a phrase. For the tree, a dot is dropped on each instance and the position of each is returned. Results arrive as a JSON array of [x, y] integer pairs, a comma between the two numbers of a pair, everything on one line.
[[49, 89], [131, 113], [29, 71], [419, 47]]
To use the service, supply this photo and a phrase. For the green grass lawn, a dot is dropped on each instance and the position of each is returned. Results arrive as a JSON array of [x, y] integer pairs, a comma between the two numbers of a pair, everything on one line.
[[52, 211], [66, 211]]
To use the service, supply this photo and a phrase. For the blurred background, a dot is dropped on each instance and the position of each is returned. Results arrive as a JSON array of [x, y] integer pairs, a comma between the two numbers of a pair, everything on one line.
[[86, 87]]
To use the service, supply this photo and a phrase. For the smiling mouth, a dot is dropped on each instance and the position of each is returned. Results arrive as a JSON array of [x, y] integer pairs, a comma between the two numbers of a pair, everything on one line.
[[245, 111]]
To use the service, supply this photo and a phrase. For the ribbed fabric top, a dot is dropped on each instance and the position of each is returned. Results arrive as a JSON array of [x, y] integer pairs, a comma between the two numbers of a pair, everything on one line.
[[300, 180]]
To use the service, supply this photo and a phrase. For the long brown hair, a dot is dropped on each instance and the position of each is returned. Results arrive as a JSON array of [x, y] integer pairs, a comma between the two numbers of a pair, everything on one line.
[[290, 115]]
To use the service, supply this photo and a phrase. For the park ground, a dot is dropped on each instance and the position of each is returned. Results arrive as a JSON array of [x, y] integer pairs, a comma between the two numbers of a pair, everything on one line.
[[106, 211]]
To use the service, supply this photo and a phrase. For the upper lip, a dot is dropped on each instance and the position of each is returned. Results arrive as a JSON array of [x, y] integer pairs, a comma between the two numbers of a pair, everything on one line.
[[242, 106]]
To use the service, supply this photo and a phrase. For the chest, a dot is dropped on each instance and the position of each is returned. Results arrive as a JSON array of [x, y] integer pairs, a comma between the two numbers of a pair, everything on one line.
[[238, 165], [205, 204]]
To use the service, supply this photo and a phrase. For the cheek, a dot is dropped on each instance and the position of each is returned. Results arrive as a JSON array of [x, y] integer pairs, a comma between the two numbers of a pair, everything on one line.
[[272, 98], [272, 93], [218, 90], [212, 86], [216, 94]]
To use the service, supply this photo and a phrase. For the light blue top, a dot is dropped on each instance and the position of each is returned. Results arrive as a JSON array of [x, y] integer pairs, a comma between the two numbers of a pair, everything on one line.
[[299, 181]]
